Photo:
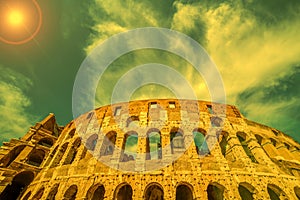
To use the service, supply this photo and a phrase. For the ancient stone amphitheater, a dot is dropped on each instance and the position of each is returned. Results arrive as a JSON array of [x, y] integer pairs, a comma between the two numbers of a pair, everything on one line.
[[152, 149]]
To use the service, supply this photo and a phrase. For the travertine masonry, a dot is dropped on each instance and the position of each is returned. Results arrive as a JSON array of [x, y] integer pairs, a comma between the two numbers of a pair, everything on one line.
[[152, 149]]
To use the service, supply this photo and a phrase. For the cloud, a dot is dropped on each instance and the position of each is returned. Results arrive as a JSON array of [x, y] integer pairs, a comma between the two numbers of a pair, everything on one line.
[[13, 104], [254, 44], [276, 103]]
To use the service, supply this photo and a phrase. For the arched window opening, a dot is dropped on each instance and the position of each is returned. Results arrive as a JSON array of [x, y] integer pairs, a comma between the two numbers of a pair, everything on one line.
[[130, 144], [73, 152], [216, 121], [11, 156], [71, 133], [275, 132], [53, 192], [71, 192], [215, 192], [36, 157], [224, 143], [154, 191], [47, 142], [60, 154], [273, 142], [242, 138], [200, 142], [153, 145], [177, 141], [183, 192], [18, 185], [246, 191], [287, 145], [39, 194], [123, 193], [108, 144], [96, 192], [259, 139], [275, 192], [297, 192], [132, 122], [91, 142], [26, 197]]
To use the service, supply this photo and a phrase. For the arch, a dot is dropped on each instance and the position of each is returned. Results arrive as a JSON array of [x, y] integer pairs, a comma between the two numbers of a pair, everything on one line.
[[287, 145], [297, 192], [223, 143], [153, 144], [176, 140], [72, 152], [39, 194], [18, 185], [11, 156], [275, 192], [36, 157], [274, 142], [108, 144], [246, 191], [242, 138], [60, 154], [258, 138], [216, 121], [123, 192], [96, 192], [132, 121], [71, 192], [71, 133], [26, 197], [215, 191], [91, 142], [200, 141], [184, 191], [129, 148], [53, 192], [154, 191], [46, 142]]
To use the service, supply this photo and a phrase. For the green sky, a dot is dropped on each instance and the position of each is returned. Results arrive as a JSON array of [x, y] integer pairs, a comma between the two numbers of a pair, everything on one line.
[[254, 43]]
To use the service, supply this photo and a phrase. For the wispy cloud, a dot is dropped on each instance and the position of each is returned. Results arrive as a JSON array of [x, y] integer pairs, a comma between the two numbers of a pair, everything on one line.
[[255, 45], [13, 103]]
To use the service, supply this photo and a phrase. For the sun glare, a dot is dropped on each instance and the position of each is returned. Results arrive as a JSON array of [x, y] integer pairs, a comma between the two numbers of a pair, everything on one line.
[[15, 18]]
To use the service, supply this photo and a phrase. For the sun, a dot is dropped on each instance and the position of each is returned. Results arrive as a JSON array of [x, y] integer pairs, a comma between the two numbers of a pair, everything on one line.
[[15, 18]]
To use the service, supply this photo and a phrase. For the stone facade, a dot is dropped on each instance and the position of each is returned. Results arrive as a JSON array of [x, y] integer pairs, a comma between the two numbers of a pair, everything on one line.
[[152, 149]]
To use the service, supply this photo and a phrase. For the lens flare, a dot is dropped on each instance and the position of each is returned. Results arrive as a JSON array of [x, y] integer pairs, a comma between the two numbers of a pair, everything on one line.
[[15, 18], [22, 20]]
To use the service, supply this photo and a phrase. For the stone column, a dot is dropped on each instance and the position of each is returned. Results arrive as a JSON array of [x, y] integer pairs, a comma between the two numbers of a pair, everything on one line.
[[115, 159], [259, 154], [141, 151], [267, 145], [166, 145], [284, 152]]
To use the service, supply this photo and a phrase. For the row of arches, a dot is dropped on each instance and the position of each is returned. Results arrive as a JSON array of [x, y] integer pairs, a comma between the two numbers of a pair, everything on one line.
[[35, 157], [154, 191]]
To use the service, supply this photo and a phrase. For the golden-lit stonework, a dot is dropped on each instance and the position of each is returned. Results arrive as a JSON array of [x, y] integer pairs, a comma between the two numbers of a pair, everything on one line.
[[152, 149]]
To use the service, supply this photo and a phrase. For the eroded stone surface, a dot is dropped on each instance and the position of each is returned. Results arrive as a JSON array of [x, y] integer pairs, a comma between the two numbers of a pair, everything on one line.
[[177, 150]]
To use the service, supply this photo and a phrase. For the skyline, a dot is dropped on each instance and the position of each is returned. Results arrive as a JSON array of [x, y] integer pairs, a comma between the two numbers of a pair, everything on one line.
[[254, 44]]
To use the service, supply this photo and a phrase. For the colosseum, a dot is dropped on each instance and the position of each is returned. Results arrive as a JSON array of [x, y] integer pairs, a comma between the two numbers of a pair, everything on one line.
[[152, 149]]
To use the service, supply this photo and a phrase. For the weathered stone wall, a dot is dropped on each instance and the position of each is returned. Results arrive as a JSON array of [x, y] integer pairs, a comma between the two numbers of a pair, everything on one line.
[[237, 158]]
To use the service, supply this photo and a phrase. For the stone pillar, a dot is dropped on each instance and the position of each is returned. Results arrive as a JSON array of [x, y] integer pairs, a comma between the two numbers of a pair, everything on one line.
[[97, 150], [141, 152], [166, 145], [267, 145], [237, 150], [296, 153], [115, 159], [259, 154], [284, 152]]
